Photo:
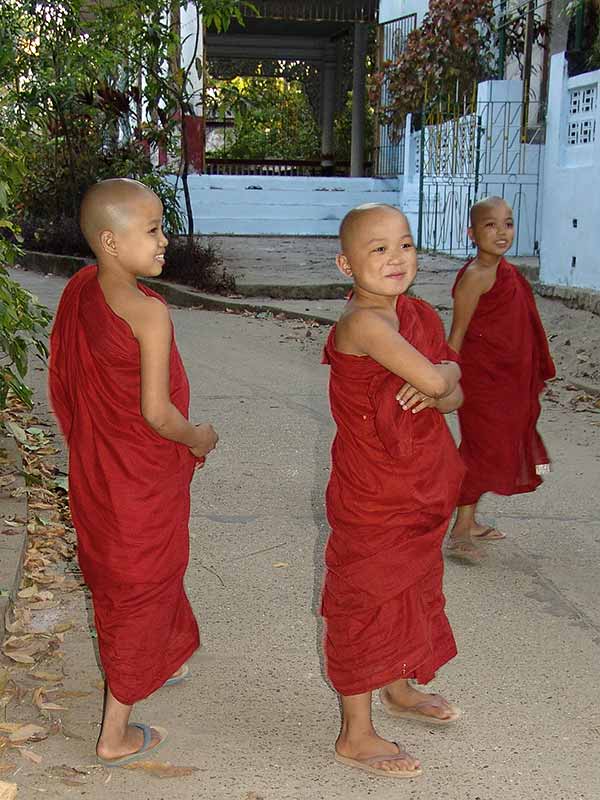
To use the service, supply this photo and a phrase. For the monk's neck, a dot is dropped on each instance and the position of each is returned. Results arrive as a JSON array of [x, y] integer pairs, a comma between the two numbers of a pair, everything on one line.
[[371, 300], [488, 261], [115, 277]]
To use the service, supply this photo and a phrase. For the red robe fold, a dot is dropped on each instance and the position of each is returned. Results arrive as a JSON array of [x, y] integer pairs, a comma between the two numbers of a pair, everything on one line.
[[129, 492], [394, 482], [505, 361]]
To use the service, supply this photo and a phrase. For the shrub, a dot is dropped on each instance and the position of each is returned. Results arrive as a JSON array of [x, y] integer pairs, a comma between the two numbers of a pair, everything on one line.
[[200, 269]]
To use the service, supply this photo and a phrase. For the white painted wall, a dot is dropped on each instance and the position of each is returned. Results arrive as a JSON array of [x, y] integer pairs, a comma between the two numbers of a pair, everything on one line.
[[570, 235], [392, 9], [280, 205]]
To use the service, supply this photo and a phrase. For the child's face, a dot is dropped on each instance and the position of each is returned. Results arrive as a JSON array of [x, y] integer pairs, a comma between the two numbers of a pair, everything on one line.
[[493, 231], [141, 243], [380, 256]]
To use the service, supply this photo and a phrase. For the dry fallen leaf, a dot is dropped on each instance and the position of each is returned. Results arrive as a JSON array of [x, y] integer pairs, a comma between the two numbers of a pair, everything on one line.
[[20, 658], [159, 769], [279, 564], [28, 733], [49, 677], [63, 626], [30, 591], [8, 791], [31, 756]]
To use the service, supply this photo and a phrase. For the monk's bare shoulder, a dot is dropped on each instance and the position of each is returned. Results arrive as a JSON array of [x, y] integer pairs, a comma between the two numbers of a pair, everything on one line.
[[475, 280], [358, 326], [146, 314]]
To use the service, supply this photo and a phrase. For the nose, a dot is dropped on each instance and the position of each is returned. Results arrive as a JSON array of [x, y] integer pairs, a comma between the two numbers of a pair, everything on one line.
[[164, 239]]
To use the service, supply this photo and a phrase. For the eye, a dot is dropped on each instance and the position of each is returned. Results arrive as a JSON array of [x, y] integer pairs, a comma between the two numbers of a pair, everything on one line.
[[510, 224], [407, 246], [380, 249], [490, 224], [153, 230]]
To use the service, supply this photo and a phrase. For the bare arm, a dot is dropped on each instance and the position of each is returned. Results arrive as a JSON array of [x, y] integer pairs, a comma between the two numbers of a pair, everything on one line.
[[151, 326], [451, 402], [372, 334], [466, 298]]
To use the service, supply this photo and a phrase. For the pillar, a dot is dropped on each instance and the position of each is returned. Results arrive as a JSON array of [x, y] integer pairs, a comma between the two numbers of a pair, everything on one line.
[[328, 77], [359, 78]]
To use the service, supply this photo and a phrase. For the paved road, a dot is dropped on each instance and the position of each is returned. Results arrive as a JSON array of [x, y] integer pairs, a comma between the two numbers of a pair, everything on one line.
[[258, 717]]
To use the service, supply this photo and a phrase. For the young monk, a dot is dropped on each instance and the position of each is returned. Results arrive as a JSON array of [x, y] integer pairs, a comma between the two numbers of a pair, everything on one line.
[[505, 361], [120, 392], [394, 480]]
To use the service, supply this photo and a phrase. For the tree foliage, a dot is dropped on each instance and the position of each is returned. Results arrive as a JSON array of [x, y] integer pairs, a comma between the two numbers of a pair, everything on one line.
[[455, 47], [22, 319], [271, 119]]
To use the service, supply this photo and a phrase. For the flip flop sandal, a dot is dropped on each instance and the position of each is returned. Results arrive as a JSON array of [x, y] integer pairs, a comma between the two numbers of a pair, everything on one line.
[[464, 550], [366, 764], [489, 535], [175, 679], [417, 712], [144, 749]]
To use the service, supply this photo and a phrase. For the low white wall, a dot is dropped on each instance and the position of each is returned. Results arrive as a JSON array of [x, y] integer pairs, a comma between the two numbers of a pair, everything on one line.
[[282, 206], [570, 236]]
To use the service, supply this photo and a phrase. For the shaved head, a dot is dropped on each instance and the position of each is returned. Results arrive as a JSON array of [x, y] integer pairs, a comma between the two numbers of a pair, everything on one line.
[[109, 205], [484, 206], [362, 215]]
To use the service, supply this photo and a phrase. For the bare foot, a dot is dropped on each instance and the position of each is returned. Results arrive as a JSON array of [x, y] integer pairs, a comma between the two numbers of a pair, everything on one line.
[[463, 548], [401, 697], [126, 745], [486, 533], [371, 745]]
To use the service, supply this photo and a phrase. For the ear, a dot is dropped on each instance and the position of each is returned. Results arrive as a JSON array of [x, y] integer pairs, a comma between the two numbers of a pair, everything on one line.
[[108, 243], [471, 235], [343, 265]]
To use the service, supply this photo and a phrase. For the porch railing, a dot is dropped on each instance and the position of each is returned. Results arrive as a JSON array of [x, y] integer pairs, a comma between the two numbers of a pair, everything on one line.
[[319, 10], [276, 166]]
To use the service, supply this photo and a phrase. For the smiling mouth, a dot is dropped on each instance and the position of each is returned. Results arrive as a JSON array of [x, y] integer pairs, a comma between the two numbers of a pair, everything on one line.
[[397, 275]]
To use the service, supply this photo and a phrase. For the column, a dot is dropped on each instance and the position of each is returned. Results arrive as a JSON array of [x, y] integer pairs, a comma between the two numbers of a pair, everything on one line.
[[359, 78], [327, 113]]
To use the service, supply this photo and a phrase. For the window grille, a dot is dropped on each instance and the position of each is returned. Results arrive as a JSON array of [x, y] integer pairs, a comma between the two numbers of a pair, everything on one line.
[[581, 124]]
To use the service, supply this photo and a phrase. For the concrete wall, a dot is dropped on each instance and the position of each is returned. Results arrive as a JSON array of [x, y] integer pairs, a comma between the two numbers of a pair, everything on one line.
[[277, 205], [570, 236], [392, 9]]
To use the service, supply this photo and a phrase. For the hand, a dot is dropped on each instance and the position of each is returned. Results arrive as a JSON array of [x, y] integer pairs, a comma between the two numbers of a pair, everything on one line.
[[206, 440], [412, 399]]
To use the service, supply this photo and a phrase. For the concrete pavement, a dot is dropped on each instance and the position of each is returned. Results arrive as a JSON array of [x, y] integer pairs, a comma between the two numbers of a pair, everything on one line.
[[257, 718]]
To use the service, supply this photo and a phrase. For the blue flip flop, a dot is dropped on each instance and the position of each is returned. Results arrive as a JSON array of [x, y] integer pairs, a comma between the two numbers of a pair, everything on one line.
[[139, 754], [175, 679]]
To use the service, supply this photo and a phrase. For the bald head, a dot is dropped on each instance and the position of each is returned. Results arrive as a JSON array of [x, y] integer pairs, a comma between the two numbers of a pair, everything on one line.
[[110, 205], [363, 216], [483, 207]]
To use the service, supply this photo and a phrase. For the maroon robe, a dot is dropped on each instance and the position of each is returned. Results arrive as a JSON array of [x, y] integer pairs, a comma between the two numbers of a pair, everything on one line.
[[505, 361], [129, 491], [394, 482]]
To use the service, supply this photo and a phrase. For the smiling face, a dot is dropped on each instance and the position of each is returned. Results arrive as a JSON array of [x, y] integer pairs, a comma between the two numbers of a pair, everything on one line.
[[139, 241], [492, 227], [378, 251]]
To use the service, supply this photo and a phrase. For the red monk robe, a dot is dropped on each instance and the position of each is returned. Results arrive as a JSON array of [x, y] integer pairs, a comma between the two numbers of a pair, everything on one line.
[[394, 483], [505, 361], [128, 490]]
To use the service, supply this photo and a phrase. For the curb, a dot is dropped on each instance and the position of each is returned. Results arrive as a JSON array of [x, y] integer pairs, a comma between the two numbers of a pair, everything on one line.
[[174, 293], [67, 266], [571, 296], [12, 548]]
